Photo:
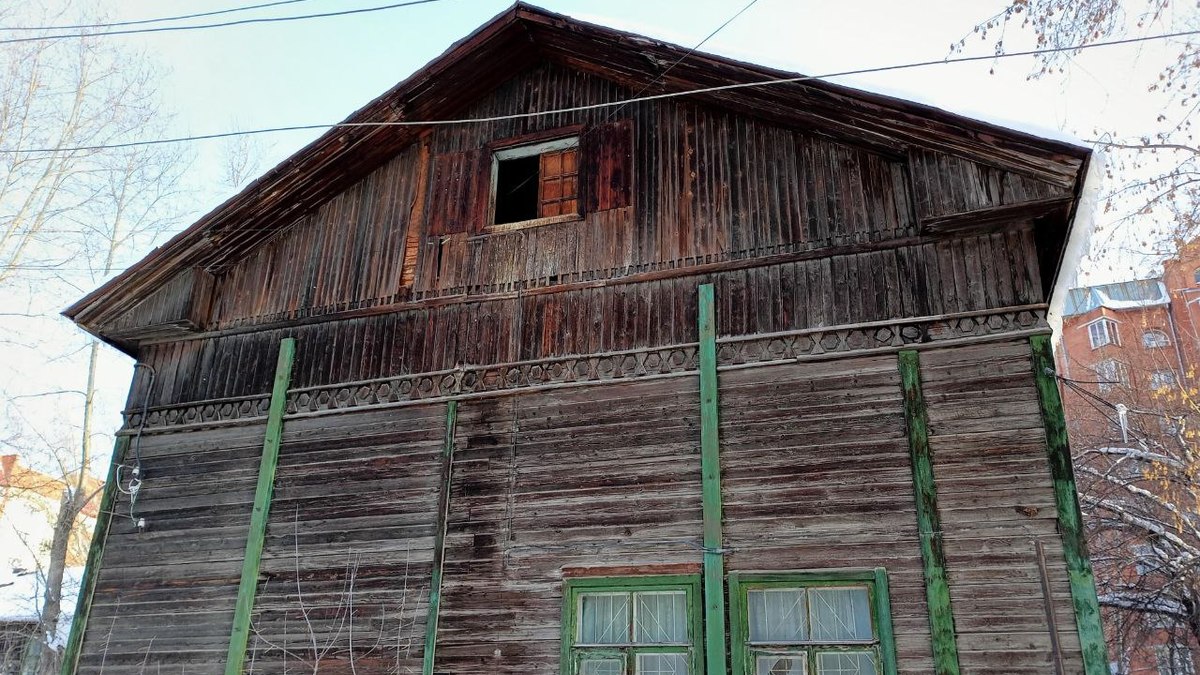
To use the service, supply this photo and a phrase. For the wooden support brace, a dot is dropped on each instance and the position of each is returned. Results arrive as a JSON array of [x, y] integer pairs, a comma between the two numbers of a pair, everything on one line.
[[240, 635], [710, 466], [929, 522], [439, 542], [91, 570], [1070, 518]]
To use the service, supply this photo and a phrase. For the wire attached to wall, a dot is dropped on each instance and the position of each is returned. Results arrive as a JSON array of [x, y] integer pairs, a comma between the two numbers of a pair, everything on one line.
[[133, 486]]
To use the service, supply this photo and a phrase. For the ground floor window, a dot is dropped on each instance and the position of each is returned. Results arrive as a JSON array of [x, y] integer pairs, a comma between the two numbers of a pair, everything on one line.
[[811, 623], [632, 625]]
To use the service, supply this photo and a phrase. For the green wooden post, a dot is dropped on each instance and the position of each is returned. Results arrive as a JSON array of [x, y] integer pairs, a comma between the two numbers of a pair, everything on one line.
[[439, 542], [91, 570], [710, 467], [883, 618], [929, 523], [240, 635], [1070, 518]]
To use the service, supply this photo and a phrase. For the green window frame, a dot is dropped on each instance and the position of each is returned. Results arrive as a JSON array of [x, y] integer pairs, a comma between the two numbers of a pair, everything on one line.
[[575, 651], [881, 645]]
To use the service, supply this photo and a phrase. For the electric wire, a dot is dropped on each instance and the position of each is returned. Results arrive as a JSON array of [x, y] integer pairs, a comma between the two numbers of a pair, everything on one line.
[[139, 22], [608, 104], [238, 22]]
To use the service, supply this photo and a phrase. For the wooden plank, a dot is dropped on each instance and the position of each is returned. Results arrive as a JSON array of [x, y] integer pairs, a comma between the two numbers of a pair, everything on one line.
[[248, 585], [941, 617], [439, 542], [1070, 519], [710, 461], [91, 570]]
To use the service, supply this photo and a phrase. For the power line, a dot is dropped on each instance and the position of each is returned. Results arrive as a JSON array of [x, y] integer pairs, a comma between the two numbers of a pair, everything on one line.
[[596, 106], [239, 22], [139, 22], [687, 54]]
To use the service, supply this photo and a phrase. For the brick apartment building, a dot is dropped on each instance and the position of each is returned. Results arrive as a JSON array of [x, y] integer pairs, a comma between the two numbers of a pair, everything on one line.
[[1128, 353]]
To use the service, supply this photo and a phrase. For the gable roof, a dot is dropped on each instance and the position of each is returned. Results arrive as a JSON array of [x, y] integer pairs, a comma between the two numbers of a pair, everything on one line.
[[515, 40]]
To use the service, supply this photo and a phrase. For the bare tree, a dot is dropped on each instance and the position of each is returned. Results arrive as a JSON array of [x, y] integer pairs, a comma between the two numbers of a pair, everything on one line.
[[1152, 172], [70, 217]]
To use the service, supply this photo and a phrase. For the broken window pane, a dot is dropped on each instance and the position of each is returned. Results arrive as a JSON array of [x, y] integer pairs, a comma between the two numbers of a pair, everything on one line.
[[777, 615], [781, 664]]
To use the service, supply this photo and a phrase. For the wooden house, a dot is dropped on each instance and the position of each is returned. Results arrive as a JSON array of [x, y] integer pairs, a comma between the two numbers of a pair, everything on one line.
[[579, 352]]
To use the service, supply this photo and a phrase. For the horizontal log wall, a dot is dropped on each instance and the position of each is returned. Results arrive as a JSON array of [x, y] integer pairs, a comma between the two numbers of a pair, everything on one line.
[[165, 597], [997, 500], [708, 186], [962, 274], [585, 477], [816, 475], [346, 563]]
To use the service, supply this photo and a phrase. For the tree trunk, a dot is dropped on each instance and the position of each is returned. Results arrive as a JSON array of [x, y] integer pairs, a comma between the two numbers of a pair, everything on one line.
[[40, 657]]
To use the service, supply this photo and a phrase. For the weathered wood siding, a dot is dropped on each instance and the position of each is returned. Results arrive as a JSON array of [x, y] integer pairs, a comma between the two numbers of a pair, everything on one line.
[[996, 500], [165, 597], [962, 274], [349, 544], [816, 475], [575, 477], [707, 186]]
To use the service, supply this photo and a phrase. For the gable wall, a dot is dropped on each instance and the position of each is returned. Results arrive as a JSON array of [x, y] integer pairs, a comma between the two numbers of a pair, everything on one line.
[[707, 186]]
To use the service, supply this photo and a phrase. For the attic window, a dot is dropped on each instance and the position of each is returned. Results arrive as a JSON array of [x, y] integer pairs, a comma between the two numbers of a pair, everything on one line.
[[537, 181]]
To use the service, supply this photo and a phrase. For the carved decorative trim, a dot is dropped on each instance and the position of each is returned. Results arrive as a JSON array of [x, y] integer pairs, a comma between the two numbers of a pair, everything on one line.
[[831, 342], [201, 412]]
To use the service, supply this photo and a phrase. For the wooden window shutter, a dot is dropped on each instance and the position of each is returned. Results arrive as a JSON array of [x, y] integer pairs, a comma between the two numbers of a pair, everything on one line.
[[608, 162], [459, 194]]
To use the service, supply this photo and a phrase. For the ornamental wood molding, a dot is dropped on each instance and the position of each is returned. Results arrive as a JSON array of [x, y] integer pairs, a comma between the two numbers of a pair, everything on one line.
[[665, 361]]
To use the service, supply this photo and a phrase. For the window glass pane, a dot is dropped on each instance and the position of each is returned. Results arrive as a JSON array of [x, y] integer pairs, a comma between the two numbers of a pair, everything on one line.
[[660, 618], [845, 663], [662, 664], [840, 614], [776, 615], [604, 619], [602, 667], [781, 664]]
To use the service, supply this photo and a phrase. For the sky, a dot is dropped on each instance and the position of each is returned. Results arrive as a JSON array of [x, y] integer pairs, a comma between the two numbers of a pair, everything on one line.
[[320, 70]]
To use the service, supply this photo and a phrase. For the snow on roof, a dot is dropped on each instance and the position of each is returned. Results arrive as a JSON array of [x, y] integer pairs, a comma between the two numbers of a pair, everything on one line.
[[21, 597], [1121, 295]]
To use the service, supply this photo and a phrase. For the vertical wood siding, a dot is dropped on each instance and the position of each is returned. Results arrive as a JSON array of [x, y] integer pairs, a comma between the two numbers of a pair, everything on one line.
[[348, 253], [963, 274], [164, 597], [996, 499], [816, 475], [707, 185]]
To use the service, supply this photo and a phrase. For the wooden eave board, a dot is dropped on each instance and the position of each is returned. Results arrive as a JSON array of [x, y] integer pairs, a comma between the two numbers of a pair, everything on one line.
[[511, 42]]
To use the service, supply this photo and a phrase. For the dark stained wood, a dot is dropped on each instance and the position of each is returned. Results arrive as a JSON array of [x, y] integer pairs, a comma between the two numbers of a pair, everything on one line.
[[517, 40], [835, 228]]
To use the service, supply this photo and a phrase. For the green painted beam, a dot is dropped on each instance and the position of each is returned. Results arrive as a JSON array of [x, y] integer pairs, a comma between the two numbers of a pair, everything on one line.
[[1070, 518], [929, 524], [240, 635], [883, 618], [710, 467], [439, 542], [91, 570]]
